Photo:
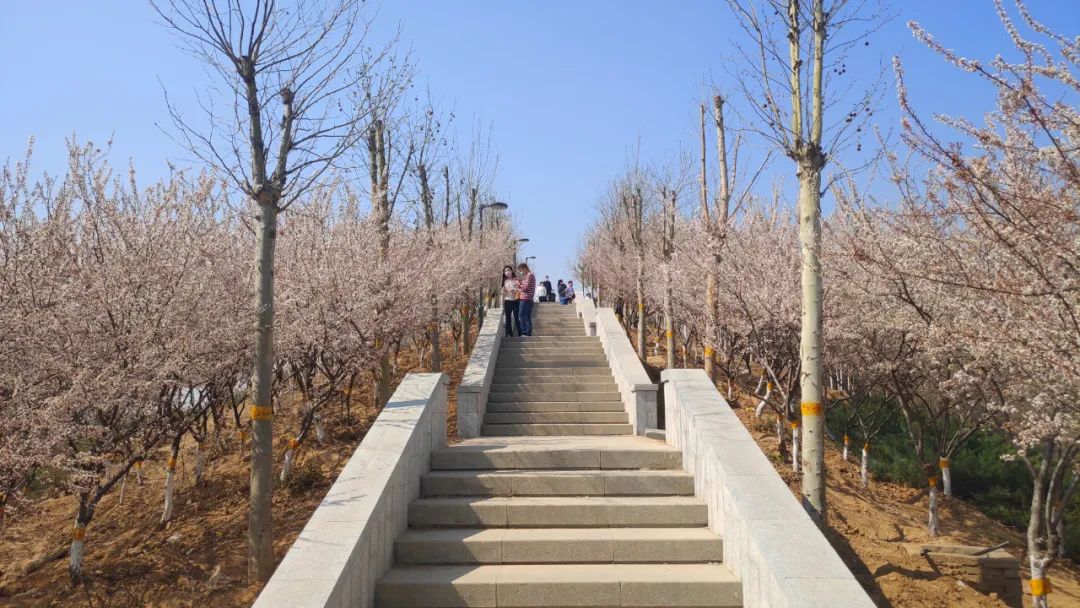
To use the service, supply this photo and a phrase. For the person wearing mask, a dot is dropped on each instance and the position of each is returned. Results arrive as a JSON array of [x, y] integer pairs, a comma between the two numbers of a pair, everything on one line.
[[570, 295], [527, 291], [510, 294], [562, 292], [548, 291]]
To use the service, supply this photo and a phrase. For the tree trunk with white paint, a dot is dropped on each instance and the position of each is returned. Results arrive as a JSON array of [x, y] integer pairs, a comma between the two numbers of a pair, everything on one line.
[[290, 456], [170, 482], [847, 441], [759, 411], [320, 429], [933, 507], [78, 549], [864, 469], [946, 476]]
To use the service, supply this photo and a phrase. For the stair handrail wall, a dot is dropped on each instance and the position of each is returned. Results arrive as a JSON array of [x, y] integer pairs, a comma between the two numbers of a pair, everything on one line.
[[472, 392], [636, 388], [348, 543], [770, 542], [586, 311]]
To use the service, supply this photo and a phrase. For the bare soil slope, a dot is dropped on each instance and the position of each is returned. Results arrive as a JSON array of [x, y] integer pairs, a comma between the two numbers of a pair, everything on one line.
[[868, 528], [199, 559]]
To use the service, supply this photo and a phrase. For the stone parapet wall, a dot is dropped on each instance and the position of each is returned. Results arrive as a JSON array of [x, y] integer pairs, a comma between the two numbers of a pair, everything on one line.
[[637, 389], [348, 544], [770, 542], [472, 393]]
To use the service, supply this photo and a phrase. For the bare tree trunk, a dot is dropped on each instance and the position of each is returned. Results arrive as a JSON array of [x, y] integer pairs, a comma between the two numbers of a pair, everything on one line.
[[639, 284], [260, 517], [810, 166], [709, 337]]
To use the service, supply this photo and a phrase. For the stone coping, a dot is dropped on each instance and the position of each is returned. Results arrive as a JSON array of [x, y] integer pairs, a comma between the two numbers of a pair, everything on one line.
[[347, 544], [782, 558]]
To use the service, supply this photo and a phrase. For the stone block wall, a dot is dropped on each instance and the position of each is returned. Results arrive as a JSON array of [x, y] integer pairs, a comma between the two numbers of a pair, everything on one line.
[[996, 572]]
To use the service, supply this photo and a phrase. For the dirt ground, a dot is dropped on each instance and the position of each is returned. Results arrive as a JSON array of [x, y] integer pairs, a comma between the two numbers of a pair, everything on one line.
[[869, 527], [199, 559]]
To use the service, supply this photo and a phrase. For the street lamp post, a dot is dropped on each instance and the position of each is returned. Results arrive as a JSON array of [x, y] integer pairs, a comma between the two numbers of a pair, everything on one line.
[[520, 242]]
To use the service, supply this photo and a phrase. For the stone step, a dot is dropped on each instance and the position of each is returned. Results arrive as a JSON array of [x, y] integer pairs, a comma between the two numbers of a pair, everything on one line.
[[525, 396], [534, 358], [555, 385], [542, 339], [501, 365], [571, 430], [581, 374], [555, 417], [530, 453], [559, 512], [558, 545], [603, 585], [557, 482], [550, 349], [554, 406]]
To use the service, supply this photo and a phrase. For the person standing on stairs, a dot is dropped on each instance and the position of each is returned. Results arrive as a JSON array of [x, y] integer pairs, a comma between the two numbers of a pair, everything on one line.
[[570, 295], [549, 294], [510, 294], [527, 283]]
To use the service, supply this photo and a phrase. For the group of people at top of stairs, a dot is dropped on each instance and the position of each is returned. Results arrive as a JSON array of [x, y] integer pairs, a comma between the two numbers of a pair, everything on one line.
[[519, 291]]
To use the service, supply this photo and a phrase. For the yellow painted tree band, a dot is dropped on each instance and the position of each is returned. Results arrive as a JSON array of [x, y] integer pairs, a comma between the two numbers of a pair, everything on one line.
[[768, 386], [668, 334], [138, 464], [261, 413], [933, 482], [943, 463], [293, 443], [640, 306], [1040, 587], [170, 463], [811, 409], [79, 533], [847, 440], [709, 351], [866, 446], [794, 424]]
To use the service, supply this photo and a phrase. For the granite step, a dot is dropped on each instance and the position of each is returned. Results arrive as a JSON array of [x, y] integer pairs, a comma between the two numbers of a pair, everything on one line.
[[531, 585], [558, 512], [437, 546], [570, 430]]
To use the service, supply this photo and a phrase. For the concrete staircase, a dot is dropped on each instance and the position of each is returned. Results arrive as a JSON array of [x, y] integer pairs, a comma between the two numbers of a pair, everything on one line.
[[544, 512], [555, 382]]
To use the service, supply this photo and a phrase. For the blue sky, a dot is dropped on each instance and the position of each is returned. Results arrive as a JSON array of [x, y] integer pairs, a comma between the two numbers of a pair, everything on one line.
[[570, 88]]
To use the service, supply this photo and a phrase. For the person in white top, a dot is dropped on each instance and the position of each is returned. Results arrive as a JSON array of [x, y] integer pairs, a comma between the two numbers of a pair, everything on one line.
[[510, 294]]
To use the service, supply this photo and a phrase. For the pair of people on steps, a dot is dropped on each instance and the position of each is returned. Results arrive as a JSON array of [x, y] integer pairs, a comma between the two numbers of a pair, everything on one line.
[[518, 291], [566, 292]]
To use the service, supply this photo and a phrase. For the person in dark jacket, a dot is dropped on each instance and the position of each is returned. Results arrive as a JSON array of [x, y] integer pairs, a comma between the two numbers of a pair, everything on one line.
[[549, 294]]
